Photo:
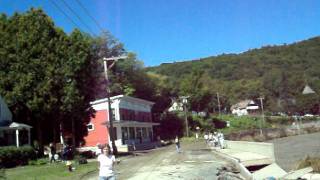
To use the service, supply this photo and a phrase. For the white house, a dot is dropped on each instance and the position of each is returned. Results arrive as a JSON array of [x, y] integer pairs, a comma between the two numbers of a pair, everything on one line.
[[175, 106], [245, 107]]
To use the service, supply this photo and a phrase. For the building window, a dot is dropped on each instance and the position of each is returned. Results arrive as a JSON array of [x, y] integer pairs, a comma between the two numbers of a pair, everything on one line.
[[90, 127], [139, 134], [131, 133], [125, 135], [115, 133], [150, 133], [132, 117], [144, 132], [113, 114]]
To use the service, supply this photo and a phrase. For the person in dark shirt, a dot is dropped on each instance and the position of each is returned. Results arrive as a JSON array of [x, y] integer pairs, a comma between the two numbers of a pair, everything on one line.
[[52, 152]]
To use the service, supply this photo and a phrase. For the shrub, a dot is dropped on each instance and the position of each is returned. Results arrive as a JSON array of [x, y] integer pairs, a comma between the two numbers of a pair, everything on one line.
[[80, 159], [11, 156]]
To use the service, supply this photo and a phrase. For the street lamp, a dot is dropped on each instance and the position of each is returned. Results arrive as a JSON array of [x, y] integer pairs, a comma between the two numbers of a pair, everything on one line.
[[110, 116], [185, 101]]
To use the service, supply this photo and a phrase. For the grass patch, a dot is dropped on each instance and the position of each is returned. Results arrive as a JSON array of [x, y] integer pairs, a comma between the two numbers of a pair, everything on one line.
[[55, 171], [238, 123], [310, 161], [188, 139]]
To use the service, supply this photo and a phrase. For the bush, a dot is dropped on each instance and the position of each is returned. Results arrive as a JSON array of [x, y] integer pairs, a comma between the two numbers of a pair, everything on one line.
[[11, 156]]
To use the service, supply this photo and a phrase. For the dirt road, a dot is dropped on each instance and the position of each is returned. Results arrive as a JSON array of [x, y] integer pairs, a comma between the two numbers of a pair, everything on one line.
[[194, 162]]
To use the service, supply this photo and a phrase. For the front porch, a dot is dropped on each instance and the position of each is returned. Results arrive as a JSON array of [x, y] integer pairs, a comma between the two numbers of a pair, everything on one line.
[[16, 134], [133, 135]]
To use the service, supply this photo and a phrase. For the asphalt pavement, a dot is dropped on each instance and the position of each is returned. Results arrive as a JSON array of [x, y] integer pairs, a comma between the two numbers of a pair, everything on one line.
[[290, 150]]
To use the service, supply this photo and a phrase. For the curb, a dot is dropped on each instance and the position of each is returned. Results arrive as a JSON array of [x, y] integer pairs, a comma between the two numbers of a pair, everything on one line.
[[236, 162]]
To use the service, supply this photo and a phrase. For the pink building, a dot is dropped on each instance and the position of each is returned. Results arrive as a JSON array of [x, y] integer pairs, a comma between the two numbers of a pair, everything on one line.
[[132, 123]]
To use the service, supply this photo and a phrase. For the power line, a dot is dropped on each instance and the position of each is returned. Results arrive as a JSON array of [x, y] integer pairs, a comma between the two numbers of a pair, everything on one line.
[[65, 14], [66, 4], [87, 12]]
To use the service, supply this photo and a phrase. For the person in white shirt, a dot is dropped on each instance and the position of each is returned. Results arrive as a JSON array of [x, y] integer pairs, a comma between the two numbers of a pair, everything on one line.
[[106, 160], [221, 140], [206, 138]]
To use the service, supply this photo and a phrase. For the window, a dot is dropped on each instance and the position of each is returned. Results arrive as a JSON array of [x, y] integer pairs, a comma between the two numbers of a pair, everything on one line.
[[113, 114], [125, 134], [150, 132], [90, 127], [144, 132], [131, 133], [115, 133]]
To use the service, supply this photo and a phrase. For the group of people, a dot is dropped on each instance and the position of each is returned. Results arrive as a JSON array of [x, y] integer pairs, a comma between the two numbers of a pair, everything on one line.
[[66, 153], [215, 139]]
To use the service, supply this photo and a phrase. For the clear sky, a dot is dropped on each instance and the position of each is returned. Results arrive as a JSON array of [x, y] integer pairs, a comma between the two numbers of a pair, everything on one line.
[[161, 31]]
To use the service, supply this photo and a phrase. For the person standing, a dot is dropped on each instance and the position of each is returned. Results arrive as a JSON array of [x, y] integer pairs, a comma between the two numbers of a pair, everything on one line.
[[52, 152], [177, 142], [106, 160], [221, 140], [206, 137]]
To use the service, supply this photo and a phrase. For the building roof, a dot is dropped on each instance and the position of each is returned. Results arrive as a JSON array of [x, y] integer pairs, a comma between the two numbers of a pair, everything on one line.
[[242, 104], [16, 125], [122, 97], [307, 90], [5, 113]]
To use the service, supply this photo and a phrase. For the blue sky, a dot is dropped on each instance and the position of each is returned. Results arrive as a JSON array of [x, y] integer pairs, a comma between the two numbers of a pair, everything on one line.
[[161, 31]]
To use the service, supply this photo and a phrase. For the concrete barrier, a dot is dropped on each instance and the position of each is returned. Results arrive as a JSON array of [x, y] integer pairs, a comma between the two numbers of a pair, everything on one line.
[[242, 169], [265, 149]]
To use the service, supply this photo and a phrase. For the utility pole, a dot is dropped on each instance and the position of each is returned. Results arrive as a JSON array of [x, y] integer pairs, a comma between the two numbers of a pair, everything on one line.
[[262, 114], [185, 101], [110, 116], [219, 106]]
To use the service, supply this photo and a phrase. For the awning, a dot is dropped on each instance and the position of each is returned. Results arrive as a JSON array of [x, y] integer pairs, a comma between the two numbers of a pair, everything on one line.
[[15, 125]]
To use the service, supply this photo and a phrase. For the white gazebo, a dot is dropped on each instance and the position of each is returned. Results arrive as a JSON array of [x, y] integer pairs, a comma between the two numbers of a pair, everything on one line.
[[10, 132], [16, 127]]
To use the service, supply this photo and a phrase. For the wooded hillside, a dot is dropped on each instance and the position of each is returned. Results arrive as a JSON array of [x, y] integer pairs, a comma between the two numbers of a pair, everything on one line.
[[279, 73]]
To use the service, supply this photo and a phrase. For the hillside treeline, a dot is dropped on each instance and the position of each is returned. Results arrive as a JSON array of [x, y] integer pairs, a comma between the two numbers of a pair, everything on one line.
[[277, 73]]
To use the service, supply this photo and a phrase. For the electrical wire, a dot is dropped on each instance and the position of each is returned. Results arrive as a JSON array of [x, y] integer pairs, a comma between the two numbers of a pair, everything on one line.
[[79, 18], [65, 14], [88, 13]]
